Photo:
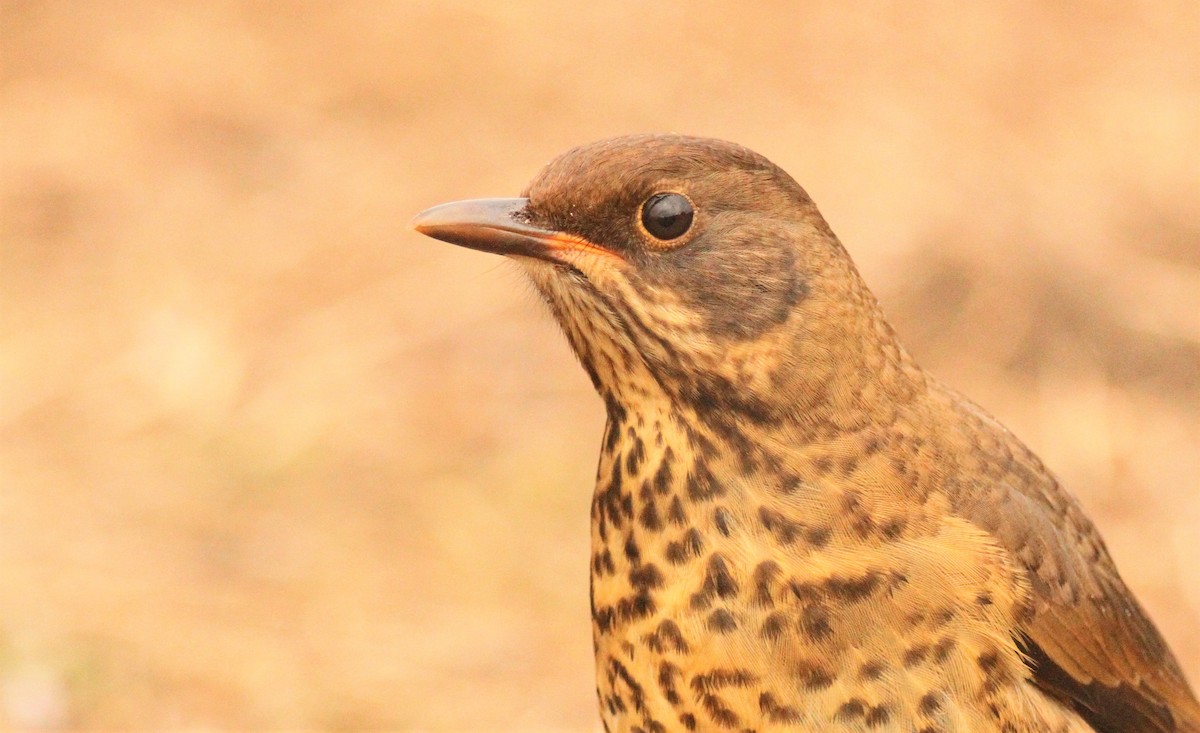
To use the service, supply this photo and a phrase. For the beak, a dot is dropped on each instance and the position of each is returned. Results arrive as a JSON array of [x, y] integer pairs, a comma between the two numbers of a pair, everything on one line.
[[496, 225]]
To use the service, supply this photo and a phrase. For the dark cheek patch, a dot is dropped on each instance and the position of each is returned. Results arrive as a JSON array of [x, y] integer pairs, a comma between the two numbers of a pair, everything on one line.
[[736, 284]]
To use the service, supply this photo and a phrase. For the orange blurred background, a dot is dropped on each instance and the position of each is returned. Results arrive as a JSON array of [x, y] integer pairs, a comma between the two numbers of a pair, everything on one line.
[[270, 460]]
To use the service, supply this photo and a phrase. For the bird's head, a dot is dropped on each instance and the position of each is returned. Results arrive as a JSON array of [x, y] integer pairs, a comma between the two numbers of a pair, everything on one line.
[[686, 266]]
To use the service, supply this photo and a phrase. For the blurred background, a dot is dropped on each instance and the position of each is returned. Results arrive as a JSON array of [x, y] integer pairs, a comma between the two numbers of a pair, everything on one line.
[[270, 460]]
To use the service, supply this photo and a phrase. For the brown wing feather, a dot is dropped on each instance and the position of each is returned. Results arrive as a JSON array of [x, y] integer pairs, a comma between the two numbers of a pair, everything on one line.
[[1089, 642], [1105, 708]]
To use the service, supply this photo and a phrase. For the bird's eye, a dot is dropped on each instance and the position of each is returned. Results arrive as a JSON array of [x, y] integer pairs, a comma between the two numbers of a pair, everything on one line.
[[667, 215]]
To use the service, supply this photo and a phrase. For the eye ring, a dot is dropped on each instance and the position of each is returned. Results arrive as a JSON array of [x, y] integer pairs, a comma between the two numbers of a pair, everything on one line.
[[667, 216]]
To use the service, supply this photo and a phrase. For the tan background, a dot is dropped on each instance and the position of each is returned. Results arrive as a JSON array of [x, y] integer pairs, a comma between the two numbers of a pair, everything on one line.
[[269, 460]]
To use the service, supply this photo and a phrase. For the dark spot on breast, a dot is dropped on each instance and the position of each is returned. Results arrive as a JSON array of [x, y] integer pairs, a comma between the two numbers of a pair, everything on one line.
[[853, 709], [662, 477], [863, 525], [789, 484], [649, 517], [633, 461], [718, 577], [702, 599], [813, 675], [607, 505], [764, 578], [602, 563], [871, 445], [702, 485], [635, 689], [638, 606], [646, 577], [893, 528], [930, 703], [853, 589], [718, 679], [941, 650], [719, 711], [667, 674], [721, 621], [676, 553], [877, 716], [701, 444], [667, 637], [631, 550], [984, 598], [685, 548], [750, 455], [805, 592], [602, 616], [688, 720], [675, 512], [785, 530], [814, 622], [819, 536], [723, 520], [616, 410], [941, 618], [916, 655], [616, 419], [872, 670], [599, 516], [774, 626], [773, 711], [615, 476]]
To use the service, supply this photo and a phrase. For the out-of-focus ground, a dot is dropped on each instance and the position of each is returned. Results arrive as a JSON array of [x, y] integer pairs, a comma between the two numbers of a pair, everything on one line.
[[269, 460]]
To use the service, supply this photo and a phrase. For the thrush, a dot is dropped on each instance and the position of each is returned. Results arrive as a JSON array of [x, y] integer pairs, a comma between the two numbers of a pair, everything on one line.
[[794, 527]]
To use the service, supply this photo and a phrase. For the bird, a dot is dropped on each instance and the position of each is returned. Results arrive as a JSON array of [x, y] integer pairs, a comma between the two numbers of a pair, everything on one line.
[[794, 526]]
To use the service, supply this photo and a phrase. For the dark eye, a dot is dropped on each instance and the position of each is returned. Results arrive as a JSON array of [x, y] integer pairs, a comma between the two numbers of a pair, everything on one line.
[[667, 215]]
